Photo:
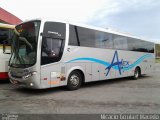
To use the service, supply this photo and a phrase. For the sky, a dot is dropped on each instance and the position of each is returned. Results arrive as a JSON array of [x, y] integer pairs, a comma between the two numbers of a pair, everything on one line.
[[140, 18]]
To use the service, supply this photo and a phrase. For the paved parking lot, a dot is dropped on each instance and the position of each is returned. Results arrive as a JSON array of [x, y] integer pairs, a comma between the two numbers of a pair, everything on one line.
[[113, 96]]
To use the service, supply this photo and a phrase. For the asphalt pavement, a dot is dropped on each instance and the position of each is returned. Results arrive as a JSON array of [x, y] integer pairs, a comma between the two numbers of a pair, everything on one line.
[[118, 96]]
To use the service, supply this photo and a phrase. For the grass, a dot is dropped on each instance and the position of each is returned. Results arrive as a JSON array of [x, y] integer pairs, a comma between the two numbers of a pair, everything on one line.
[[158, 60]]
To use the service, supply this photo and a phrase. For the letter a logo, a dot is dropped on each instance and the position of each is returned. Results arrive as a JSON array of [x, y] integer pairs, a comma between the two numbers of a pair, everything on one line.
[[115, 62]]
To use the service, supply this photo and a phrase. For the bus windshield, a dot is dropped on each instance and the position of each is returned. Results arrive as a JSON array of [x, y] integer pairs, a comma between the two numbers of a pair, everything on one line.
[[24, 46]]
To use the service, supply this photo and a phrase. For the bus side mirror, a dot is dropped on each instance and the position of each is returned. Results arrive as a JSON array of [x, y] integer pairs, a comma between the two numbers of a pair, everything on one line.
[[6, 47]]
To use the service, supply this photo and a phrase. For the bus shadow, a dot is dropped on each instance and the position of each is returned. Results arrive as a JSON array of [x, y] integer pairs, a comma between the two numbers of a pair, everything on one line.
[[112, 81], [40, 91], [144, 77], [105, 82], [4, 81]]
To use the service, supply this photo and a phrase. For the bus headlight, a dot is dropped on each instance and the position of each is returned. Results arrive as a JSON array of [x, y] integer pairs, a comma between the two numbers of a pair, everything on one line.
[[34, 73], [29, 75]]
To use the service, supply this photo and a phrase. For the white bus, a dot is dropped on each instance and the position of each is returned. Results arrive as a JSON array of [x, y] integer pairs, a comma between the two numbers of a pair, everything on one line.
[[56, 53], [6, 32]]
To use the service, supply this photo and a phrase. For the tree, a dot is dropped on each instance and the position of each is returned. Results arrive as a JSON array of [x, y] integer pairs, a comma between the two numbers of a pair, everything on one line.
[[157, 49]]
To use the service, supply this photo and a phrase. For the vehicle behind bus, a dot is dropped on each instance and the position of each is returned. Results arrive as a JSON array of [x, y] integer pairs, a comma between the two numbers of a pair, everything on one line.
[[48, 54], [6, 33]]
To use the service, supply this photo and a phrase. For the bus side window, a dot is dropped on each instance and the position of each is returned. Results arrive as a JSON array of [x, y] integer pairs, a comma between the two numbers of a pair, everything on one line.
[[51, 47], [52, 42], [120, 42], [72, 36], [4, 35], [51, 50], [45, 47]]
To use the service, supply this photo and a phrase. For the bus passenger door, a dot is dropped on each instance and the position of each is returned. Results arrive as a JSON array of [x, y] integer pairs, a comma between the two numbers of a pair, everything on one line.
[[53, 41]]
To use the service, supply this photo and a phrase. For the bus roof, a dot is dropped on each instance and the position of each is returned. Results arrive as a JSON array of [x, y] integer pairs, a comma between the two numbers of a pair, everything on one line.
[[2, 25]]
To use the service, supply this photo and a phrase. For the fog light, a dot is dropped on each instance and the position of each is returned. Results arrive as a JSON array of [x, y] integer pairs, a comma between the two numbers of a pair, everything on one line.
[[31, 84]]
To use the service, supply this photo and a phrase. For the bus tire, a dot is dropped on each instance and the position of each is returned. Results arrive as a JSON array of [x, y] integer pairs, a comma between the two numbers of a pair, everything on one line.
[[74, 80], [137, 73]]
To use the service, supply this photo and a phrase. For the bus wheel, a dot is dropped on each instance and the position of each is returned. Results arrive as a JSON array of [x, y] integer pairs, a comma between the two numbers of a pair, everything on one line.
[[137, 73], [74, 80]]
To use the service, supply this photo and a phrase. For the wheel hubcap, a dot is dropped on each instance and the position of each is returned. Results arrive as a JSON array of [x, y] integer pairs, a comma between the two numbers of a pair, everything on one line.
[[74, 80]]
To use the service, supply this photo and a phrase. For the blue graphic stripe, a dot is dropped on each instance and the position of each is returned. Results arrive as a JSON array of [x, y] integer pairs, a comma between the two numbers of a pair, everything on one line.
[[114, 67], [138, 61], [90, 59]]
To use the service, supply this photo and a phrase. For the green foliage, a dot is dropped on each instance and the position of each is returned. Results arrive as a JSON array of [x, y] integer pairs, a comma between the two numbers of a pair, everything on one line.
[[158, 60], [157, 50], [157, 47]]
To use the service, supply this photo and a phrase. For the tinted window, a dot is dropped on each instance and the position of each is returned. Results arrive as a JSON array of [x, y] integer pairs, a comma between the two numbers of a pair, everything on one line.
[[131, 44], [94, 38], [5, 35], [150, 47], [51, 47], [54, 30], [140, 46], [103, 40], [73, 36], [86, 37], [53, 42], [120, 42]]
